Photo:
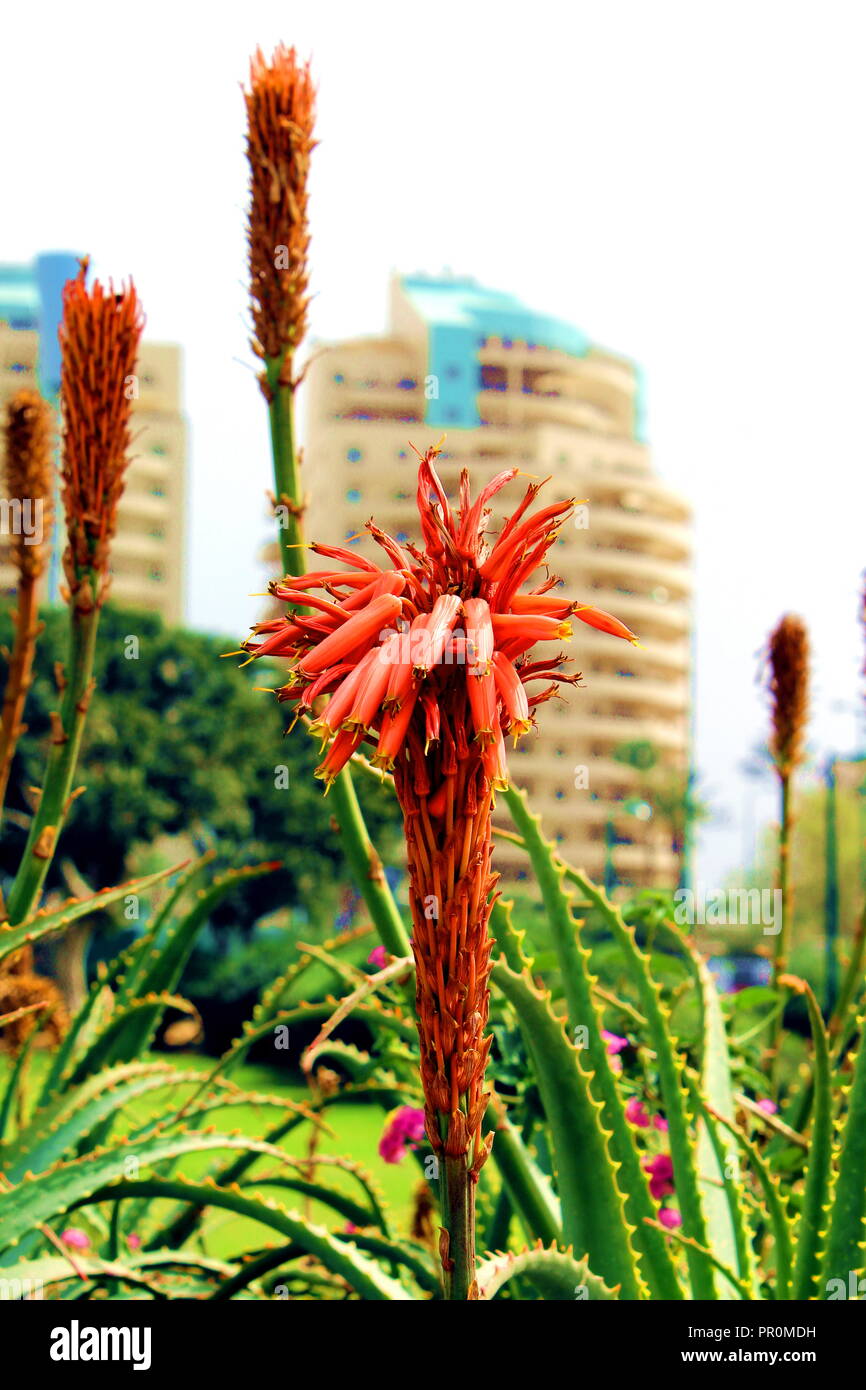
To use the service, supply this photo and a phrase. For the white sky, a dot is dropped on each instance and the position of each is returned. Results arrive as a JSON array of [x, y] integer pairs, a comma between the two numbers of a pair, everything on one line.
[[683, 181]]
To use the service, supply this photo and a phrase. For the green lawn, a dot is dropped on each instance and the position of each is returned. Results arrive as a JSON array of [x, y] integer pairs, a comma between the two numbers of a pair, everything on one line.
[[357, 1129]]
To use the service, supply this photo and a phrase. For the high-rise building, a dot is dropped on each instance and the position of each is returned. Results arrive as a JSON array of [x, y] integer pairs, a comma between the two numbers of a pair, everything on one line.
[[147, 555], [511, 387]]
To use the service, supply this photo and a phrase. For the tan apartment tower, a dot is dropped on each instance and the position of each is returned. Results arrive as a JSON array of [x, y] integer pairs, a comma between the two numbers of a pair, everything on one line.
[[147, 557], [608, 766]]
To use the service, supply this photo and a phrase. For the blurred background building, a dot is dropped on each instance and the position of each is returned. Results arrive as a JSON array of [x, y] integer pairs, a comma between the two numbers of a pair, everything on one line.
[[148, 554], [608, 768]]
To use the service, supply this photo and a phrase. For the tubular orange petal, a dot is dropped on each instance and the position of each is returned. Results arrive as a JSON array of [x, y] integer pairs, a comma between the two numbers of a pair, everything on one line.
[[392, 734], [482, 705], [370, 690], [479, 634], [339, 753], [538, 604], [512, 694], [360, 628], [523, 630], [433, 632], [604, 622]]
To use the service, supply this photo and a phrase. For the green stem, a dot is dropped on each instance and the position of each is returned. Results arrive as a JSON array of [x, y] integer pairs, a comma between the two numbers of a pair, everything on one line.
[[287, 480], [457, 1198], [62, 760], [367, 867], [783, 940], [364, 862]]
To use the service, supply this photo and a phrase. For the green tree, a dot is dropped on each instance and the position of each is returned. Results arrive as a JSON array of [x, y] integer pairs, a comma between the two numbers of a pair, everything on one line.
[[180, 744]]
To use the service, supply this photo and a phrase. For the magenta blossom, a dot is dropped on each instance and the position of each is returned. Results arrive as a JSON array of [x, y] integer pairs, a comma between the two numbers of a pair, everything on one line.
[[769, 1107], [377, 958], [670, 1217], [661, 1176], [404, 1129], [75, 1238], [661, 1124], [636, 1113], [614, 1042], [133, 1241]]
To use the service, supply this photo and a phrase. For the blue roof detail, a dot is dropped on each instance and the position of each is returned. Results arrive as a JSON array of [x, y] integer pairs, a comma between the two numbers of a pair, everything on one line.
[[31, 298], [53, 269], [460, 313]]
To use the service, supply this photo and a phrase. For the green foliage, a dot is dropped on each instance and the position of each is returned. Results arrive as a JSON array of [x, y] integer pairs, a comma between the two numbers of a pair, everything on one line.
[[178, 743]]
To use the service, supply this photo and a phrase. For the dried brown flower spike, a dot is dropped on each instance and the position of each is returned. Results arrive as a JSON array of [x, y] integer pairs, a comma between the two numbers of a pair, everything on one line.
[[280, 115], [99, 336], [29, 484], [788, 656], [30, 477]]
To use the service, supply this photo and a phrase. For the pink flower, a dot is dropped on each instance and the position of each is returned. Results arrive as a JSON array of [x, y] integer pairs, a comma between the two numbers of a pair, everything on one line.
[[404, 1129], [661, 1176], [636, 1113], [670, 1217], [615, 1044], [661, 1124], [376, 958], [133, 1241], [350, 1228], [75, 1238], [769, 1107]]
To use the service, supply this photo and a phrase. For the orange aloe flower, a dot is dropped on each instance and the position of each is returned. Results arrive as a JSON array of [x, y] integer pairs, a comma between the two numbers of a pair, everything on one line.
[[280, 106], [99, 334], [426, 664]]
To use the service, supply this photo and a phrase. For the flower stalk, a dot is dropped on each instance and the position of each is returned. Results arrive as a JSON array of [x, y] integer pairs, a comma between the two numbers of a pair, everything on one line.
[[280, 104], [99, 336], [428, 662], [788, 659]]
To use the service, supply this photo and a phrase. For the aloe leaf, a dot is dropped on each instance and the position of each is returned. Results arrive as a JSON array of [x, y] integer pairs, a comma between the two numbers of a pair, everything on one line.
[[110, 1045], [332, 1197], [555, 1274], [55, 1130], [127, 970], [812, 1223], [782, 1226], [164, 970], [671, 1075], [720, 1198], [51, 1193], [712, 1262], [509, 940], [365, 1276], [53, 1270], [732, 1190], [410, 1255], [657, 1267], [593, 1215], [11, 1091], [50, 920], [845, 1244], [531, 1196], [375, 1211]]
